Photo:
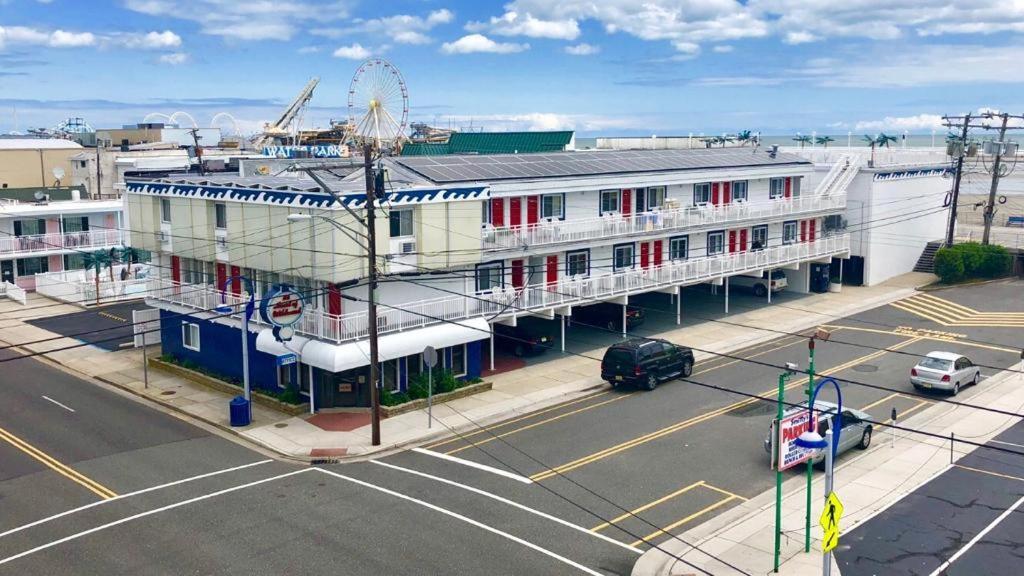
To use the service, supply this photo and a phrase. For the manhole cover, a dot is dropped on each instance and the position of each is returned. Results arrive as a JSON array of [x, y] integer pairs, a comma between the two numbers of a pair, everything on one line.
[[865, 368], [168, 392], [757, 409], [281, 425]]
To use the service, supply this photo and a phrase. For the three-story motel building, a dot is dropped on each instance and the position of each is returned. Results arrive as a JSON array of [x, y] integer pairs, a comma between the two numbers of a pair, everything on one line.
[[465, 242]]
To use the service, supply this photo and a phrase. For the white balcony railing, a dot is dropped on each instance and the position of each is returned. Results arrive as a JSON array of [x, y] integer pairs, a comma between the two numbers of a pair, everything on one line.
[[56, 242], [614, 225], [508, 302]]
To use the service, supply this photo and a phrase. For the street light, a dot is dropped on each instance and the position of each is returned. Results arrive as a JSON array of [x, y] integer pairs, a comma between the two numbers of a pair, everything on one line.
[[249, 308], [791, 368], [823, 335]]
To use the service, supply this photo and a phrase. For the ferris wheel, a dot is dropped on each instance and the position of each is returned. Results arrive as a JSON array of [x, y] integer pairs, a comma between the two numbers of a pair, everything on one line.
[[378, 105]]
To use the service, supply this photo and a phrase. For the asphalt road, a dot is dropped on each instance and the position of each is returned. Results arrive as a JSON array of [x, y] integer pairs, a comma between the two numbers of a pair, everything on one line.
[[584, 486], [111, 326]]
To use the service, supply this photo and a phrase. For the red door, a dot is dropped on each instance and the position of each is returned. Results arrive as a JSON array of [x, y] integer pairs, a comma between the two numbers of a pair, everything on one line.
[[732, 241], [714, 193], [627, 201], [334, 300], [532, 209], [517, 274], [552, 269], [743, 240], [812, 224], [726, 192], [497, 212], [645, 254], [789, 187], [657, 252], [515, 211], [176, 268], [803, 230], [222, 275], [236, 284]]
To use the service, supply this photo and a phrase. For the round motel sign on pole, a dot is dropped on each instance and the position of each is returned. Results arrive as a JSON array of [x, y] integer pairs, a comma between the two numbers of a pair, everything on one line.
[[282, 307]]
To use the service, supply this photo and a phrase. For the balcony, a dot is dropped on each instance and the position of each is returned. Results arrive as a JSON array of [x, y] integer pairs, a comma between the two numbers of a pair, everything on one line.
[[38, 244], [655, 222], [508, 302]]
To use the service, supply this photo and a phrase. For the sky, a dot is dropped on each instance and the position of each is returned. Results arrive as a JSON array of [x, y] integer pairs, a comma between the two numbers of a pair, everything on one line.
[[600, 67]]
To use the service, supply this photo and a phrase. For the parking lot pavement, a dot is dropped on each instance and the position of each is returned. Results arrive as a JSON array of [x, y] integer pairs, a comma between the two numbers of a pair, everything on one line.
[[112, 324]]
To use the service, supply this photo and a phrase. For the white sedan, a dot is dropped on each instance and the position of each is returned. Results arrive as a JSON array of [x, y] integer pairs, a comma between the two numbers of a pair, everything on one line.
[[944, 371]]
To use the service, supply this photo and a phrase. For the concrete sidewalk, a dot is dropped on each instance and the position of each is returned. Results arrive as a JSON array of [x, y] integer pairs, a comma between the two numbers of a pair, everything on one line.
[[866, 483], [513, 393]]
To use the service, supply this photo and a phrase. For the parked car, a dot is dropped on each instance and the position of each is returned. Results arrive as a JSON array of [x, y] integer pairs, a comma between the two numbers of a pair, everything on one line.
[[608, 315], [856, 428], [760, 284], [529, 336], [944, 371], [645, 362]]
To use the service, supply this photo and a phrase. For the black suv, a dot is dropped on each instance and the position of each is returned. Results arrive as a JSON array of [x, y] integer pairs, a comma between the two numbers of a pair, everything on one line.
[[608, 315], [645, 362], [529, 336]]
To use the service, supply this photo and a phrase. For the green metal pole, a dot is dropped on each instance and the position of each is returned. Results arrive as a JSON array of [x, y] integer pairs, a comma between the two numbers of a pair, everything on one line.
[[810, 388], [778, 472]]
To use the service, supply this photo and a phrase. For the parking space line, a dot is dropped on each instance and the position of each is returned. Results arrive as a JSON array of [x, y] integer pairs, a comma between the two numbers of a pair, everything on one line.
[[58, 467], [926, 337], [920, 404], [726, 492], [877, 402], [535, 424], [1007, 443], [465, 519], [678, 523], [477, 465], [78, 535], [978, 537], [129, 495], [64, 406], [647, 506], [512, 503], [602, 454], [989, 472]]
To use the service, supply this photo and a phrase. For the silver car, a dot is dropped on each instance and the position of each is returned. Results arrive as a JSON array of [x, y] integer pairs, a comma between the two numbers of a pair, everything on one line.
[[944, 371], [856, 431]]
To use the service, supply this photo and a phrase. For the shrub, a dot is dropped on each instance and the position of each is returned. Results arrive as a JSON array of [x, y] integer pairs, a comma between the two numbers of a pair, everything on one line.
[[444, 382], [949, 265], [972, 260], [389, 398], [996, 261], [418, 386]]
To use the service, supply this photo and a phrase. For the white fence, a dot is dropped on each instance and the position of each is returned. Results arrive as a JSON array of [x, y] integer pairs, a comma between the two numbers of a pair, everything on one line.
[[146, 326], [56, 242], [510, 301], [80, 288], [13, 292]]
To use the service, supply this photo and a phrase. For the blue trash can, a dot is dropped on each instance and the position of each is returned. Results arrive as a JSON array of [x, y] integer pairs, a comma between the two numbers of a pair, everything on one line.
[[240, 412]]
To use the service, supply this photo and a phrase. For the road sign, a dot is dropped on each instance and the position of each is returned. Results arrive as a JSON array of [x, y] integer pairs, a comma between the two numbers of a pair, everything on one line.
[[830, 516], [287, 360], [789, 428], [430, 356]]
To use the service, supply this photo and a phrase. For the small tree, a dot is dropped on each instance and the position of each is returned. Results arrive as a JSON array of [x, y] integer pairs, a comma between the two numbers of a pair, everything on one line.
[[744, 137], [824, 140], [873, 142], [803, 140], [96, 260]]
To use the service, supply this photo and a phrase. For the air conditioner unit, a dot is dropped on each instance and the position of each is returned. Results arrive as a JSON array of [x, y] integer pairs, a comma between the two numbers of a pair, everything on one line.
[[408, 247]]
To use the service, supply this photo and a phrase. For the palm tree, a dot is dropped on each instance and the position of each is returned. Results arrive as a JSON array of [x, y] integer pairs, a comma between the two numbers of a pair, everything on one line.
[[873, 142], [97, 260], [884, 139], [744, 137], [803, 140], [824, 140]]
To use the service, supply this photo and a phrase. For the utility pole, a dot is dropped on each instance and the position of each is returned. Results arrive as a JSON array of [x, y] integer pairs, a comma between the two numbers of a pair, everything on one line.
[[199, 150], [371, 301], [990, 208], [956, 178]]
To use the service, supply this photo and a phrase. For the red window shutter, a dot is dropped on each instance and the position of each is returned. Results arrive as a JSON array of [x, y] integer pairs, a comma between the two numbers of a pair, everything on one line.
[[789, 187], [714, 193], [645, 254], [515, 211], [334, 300], [498, 212], [812, 231], [222, 275], [176, 268], [517, 274], [532, 209], [552, 262], [657, 252], [627, 201], [726, 192], [743, 240], [803, 230], [732, 241], [236, 285]]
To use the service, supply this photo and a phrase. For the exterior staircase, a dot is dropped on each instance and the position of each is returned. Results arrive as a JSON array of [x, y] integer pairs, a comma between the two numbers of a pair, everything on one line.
[[926, 263]]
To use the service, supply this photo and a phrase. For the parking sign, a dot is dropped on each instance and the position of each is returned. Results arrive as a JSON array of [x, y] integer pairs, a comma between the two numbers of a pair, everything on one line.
[[791, 427]]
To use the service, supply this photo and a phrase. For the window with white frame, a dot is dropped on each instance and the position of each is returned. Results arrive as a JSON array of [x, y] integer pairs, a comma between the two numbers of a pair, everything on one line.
[[401, 223], [650, 198], [552, 206], [190, 336], [485, 216], [457, 366], [739, 191], [609, 201], [701, 193], [489, 276], [622, 257], [759, 237], [789, 232], [776, 187], [220, 212], [165, 209], [679, 248], [577, 263], [716, 243]]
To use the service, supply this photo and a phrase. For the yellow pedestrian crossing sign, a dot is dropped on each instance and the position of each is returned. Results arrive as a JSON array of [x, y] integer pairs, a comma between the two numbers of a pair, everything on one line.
[[829, 520]]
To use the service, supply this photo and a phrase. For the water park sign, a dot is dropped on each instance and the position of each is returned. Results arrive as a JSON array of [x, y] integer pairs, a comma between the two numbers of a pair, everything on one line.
[[789, 429], [318, 151]]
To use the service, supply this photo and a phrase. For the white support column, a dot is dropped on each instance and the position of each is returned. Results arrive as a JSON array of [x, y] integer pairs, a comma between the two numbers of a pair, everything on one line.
[[624, 307], [726, 282], [679, 305], [562, 322], [492, 347], [312, 393], [769, 285]]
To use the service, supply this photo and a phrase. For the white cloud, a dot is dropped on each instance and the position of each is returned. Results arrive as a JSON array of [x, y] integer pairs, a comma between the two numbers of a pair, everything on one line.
[[400, 28], [479, 43], [353, 52], [174, 58], [687, 48], [800, 37], [582, 49], [13, 35], [738, 81], [165, 40], [722, 49], [924, 66], [442, 16], [245, 20], [513, 23], [918, 123], [64, 39], [544, 121]]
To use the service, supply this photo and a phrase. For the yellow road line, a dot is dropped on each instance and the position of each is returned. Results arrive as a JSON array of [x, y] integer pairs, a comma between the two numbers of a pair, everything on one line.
[[924, 337], [726, 492], [761, 353], [56, 466], [678, 523], [915, 312], [950, 314], [877, 402], [989, 472], [600, 455], [965, 309], [941, 304], [647, 506], [545, 421], [920, 404]]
